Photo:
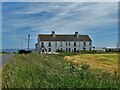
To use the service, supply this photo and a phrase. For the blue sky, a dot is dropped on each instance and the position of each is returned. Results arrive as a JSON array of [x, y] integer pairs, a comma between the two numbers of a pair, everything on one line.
[[99, 20]]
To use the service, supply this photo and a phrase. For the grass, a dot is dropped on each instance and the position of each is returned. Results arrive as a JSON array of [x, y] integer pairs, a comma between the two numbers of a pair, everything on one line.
[[56, 71], [0, 78], [107, 62]]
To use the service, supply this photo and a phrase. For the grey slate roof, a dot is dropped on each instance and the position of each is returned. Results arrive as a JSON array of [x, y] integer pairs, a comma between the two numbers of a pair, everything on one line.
[[62, 37]]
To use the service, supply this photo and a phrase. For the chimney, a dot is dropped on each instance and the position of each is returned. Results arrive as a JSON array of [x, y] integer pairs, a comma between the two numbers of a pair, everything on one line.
[[53, 33], [76, 34]]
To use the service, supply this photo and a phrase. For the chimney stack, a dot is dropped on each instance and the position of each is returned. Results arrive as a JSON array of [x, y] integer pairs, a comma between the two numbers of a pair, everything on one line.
[[76, 34], [53, 33]]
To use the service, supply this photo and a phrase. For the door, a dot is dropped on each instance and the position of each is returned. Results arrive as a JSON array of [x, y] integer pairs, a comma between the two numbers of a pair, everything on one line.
[[42, 50]]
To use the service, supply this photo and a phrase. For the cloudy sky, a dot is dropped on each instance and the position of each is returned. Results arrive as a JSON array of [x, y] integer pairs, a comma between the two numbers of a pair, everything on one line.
[[99, 20]]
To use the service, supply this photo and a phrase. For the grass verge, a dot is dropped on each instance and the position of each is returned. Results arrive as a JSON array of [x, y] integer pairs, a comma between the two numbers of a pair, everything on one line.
[[52, 71]]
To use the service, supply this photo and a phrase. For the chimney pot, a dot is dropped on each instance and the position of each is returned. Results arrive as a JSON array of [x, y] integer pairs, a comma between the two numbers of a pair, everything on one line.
[[76, 34], [53, 33]]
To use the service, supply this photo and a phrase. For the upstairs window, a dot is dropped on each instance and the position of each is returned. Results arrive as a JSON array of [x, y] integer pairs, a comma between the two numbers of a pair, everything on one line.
[[69, 43], [60, 43], [84, 43], [42, 44], [90, 43], [49, 44], [66, 43], [74, 43], [56, 43]]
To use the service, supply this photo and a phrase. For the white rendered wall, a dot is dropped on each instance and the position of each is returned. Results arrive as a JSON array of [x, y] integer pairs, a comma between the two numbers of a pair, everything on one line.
[[79, 45]]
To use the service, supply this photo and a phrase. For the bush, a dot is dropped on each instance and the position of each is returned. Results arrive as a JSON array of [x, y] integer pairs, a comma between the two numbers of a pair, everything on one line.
[[24, 52], [88, 52]]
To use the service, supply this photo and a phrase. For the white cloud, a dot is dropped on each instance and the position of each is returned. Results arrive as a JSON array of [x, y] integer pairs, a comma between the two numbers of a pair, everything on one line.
[[66, 17]]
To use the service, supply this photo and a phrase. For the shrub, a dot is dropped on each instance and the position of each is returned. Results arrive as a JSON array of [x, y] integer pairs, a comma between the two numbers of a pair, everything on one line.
[[88, 52], [24, 52]]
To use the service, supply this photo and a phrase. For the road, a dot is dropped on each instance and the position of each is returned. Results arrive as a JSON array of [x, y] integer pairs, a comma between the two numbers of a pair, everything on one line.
[[4, 58]]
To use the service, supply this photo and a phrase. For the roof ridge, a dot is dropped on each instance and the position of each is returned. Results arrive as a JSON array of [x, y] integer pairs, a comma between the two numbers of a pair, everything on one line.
[[63, 37]]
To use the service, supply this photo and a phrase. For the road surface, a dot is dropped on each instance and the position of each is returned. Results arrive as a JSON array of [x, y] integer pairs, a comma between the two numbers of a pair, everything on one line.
[[4, 58]]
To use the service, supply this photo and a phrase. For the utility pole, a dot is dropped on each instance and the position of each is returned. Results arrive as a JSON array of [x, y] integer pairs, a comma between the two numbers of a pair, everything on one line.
[[117, 45], [21, 45], [28, 41]]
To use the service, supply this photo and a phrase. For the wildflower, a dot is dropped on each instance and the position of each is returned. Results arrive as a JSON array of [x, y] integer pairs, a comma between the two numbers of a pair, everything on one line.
[[42, 57], [79, 69], [69, 63], [59, 63], [99, 77], [46, 59]]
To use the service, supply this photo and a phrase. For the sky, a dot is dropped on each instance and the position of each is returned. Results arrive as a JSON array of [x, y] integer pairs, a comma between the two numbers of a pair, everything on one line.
[[99, 20]]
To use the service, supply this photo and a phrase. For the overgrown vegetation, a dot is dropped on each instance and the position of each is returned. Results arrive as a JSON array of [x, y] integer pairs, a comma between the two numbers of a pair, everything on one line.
[[107, 62], [52, 71]]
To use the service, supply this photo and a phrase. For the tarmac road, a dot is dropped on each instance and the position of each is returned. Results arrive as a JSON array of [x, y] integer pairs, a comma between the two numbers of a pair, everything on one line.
[[4, 58]]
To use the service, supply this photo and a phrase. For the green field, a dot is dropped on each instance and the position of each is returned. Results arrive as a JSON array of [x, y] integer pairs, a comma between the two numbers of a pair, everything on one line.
[[59, 71]]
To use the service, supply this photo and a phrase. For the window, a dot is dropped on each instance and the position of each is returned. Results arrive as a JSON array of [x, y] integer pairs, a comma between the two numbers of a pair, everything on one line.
[[42, 44], [56, 43], [69, 43], [84, 48], [60, 43], [74, 49], [49, 44], [60, 49], [74, 43], [49, 50], [42, 50], [90, 48], [66, 49], [69, 49], [84, 43], [66, 43], [90, 43]]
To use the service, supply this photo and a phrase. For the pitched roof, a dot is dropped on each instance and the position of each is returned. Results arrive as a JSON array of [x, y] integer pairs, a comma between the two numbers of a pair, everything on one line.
[[62, 37]]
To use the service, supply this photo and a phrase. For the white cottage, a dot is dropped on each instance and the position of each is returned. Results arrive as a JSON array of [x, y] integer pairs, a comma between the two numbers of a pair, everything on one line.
[[62, 42]]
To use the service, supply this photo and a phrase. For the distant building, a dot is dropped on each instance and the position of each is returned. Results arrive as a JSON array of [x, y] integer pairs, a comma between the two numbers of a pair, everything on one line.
[[111, 49], [63, 42], [99, 49]]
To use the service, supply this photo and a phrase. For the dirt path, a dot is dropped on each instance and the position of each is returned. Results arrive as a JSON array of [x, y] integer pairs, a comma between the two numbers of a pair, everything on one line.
[[4, 59]]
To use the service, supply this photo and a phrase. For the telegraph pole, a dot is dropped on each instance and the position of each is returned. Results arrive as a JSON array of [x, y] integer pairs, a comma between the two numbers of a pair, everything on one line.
[[21, 45], [28, 41]]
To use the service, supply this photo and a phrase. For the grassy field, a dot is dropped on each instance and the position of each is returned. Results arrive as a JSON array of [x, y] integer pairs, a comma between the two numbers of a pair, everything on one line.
[[105, 62], [65, 70]]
